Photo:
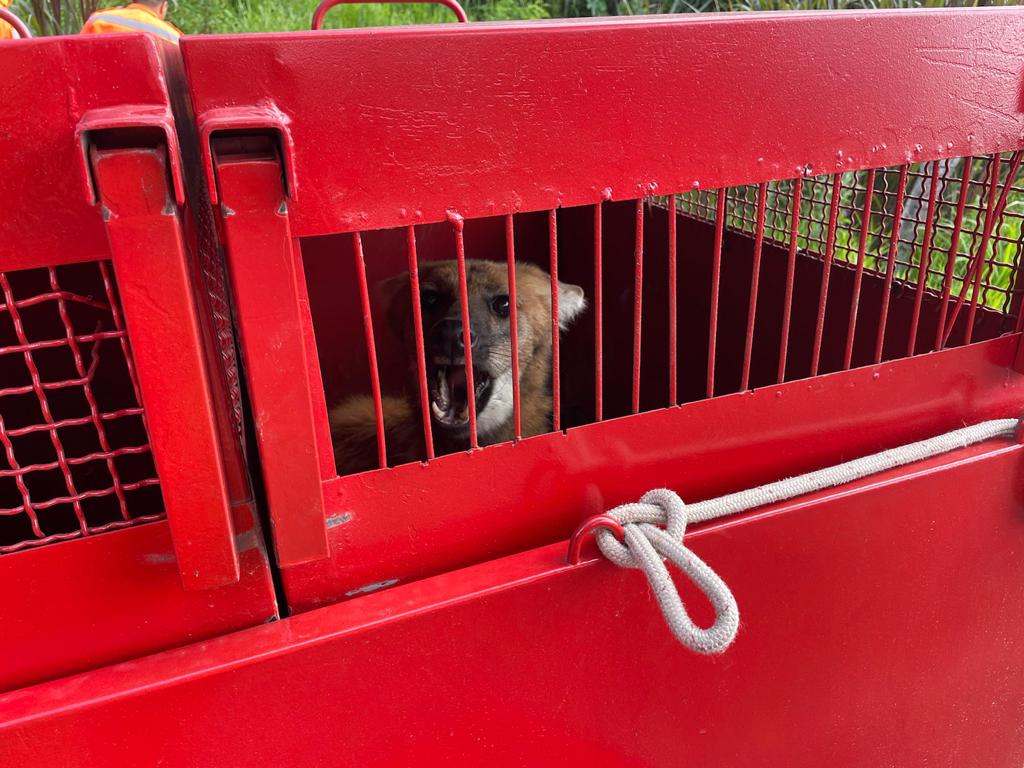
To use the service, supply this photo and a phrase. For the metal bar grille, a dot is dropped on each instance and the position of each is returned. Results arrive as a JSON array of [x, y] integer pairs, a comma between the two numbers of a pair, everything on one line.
[[780, 280], [76, 458]]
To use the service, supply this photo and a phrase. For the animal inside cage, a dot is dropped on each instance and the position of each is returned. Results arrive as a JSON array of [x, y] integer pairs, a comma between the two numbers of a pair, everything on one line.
[[691, 295], [711, 295]]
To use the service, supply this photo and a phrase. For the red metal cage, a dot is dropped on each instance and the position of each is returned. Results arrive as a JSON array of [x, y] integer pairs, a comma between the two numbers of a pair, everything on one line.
[[454, 152], [799, 238], [123, 529]]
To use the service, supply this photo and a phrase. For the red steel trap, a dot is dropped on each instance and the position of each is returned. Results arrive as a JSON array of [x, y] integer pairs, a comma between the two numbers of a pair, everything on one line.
[[799, 238]]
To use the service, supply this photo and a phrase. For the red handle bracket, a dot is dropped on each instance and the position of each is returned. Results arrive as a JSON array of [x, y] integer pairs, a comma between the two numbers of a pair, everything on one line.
[[326, 5], [586, 528], [19, 26]]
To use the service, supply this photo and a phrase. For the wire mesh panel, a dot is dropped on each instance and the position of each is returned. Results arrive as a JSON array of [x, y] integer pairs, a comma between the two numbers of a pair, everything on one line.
[[953, 216], [76, 457]]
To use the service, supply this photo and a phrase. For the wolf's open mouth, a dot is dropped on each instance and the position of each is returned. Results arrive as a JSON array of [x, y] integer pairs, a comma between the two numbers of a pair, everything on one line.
[[449, 403]]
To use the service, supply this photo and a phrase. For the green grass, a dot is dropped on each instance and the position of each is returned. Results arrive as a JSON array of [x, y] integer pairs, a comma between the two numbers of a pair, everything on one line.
[[229, 16]]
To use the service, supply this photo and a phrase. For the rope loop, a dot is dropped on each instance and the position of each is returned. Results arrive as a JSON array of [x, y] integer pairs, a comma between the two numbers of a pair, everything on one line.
[[654, 529]]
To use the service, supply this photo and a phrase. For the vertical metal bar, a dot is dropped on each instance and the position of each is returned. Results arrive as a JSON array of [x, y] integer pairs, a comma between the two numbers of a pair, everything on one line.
[[890, 271], [787, 301], [371, 348], [556, 378], [513, 322], [954, 250], [993, 213], [598, 321], [417, 326], [979, 259], [925, 261], [638, 290], [858, 277], [755, 279], [716, 277], [991, 227], [467, 336], [672, 309], [826, 271]]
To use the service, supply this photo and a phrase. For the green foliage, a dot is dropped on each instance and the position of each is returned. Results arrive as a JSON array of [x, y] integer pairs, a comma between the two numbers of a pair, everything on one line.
[[229, 16], [54, 17]]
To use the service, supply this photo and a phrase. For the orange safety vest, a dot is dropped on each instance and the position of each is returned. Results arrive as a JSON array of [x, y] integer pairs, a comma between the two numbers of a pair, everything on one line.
[[131, 18], [6, 30]]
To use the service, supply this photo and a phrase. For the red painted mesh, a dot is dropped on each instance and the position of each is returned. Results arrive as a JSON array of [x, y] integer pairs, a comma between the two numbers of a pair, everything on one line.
[[74, 453]]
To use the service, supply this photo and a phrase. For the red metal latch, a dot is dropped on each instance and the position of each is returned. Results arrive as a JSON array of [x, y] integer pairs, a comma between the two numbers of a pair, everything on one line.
[[132, 174]]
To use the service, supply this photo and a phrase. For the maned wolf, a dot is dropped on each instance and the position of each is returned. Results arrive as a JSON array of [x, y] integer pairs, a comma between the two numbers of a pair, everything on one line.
[[353, 423]]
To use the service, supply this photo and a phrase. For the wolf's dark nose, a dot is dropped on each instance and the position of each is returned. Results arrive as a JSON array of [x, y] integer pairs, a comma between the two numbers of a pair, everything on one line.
[[447, 337]]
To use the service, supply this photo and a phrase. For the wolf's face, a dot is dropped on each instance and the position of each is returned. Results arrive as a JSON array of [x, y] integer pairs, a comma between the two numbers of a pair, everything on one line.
[[490, 338]]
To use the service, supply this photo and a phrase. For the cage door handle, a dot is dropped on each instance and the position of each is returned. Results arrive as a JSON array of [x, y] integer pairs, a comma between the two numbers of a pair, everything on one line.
[[19, 26], [326, 5]]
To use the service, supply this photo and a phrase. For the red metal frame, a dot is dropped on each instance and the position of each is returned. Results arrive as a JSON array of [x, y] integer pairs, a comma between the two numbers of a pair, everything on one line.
[[542, 149], [544, 163], [92, 175], [877, 618]]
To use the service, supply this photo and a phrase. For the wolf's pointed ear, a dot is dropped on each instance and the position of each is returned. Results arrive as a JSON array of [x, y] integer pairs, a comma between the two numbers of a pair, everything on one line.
[[571, 302], [394, 295]]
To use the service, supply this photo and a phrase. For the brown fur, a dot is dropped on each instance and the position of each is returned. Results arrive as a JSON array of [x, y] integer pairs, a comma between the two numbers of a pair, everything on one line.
[[353, 422]]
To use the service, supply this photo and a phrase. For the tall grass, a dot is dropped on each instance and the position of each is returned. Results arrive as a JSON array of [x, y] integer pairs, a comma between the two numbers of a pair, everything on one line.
[[54, 17]]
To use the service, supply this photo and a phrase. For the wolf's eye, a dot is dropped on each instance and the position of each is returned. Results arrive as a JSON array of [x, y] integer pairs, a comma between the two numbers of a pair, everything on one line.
[[428, 298], [500, 305]]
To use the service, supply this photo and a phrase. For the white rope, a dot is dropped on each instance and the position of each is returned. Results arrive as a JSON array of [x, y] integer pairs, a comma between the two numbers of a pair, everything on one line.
[[654, 529]]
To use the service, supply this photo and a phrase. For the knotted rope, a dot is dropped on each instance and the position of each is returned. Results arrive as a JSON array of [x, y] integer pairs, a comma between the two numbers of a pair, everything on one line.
[[654, 528]]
